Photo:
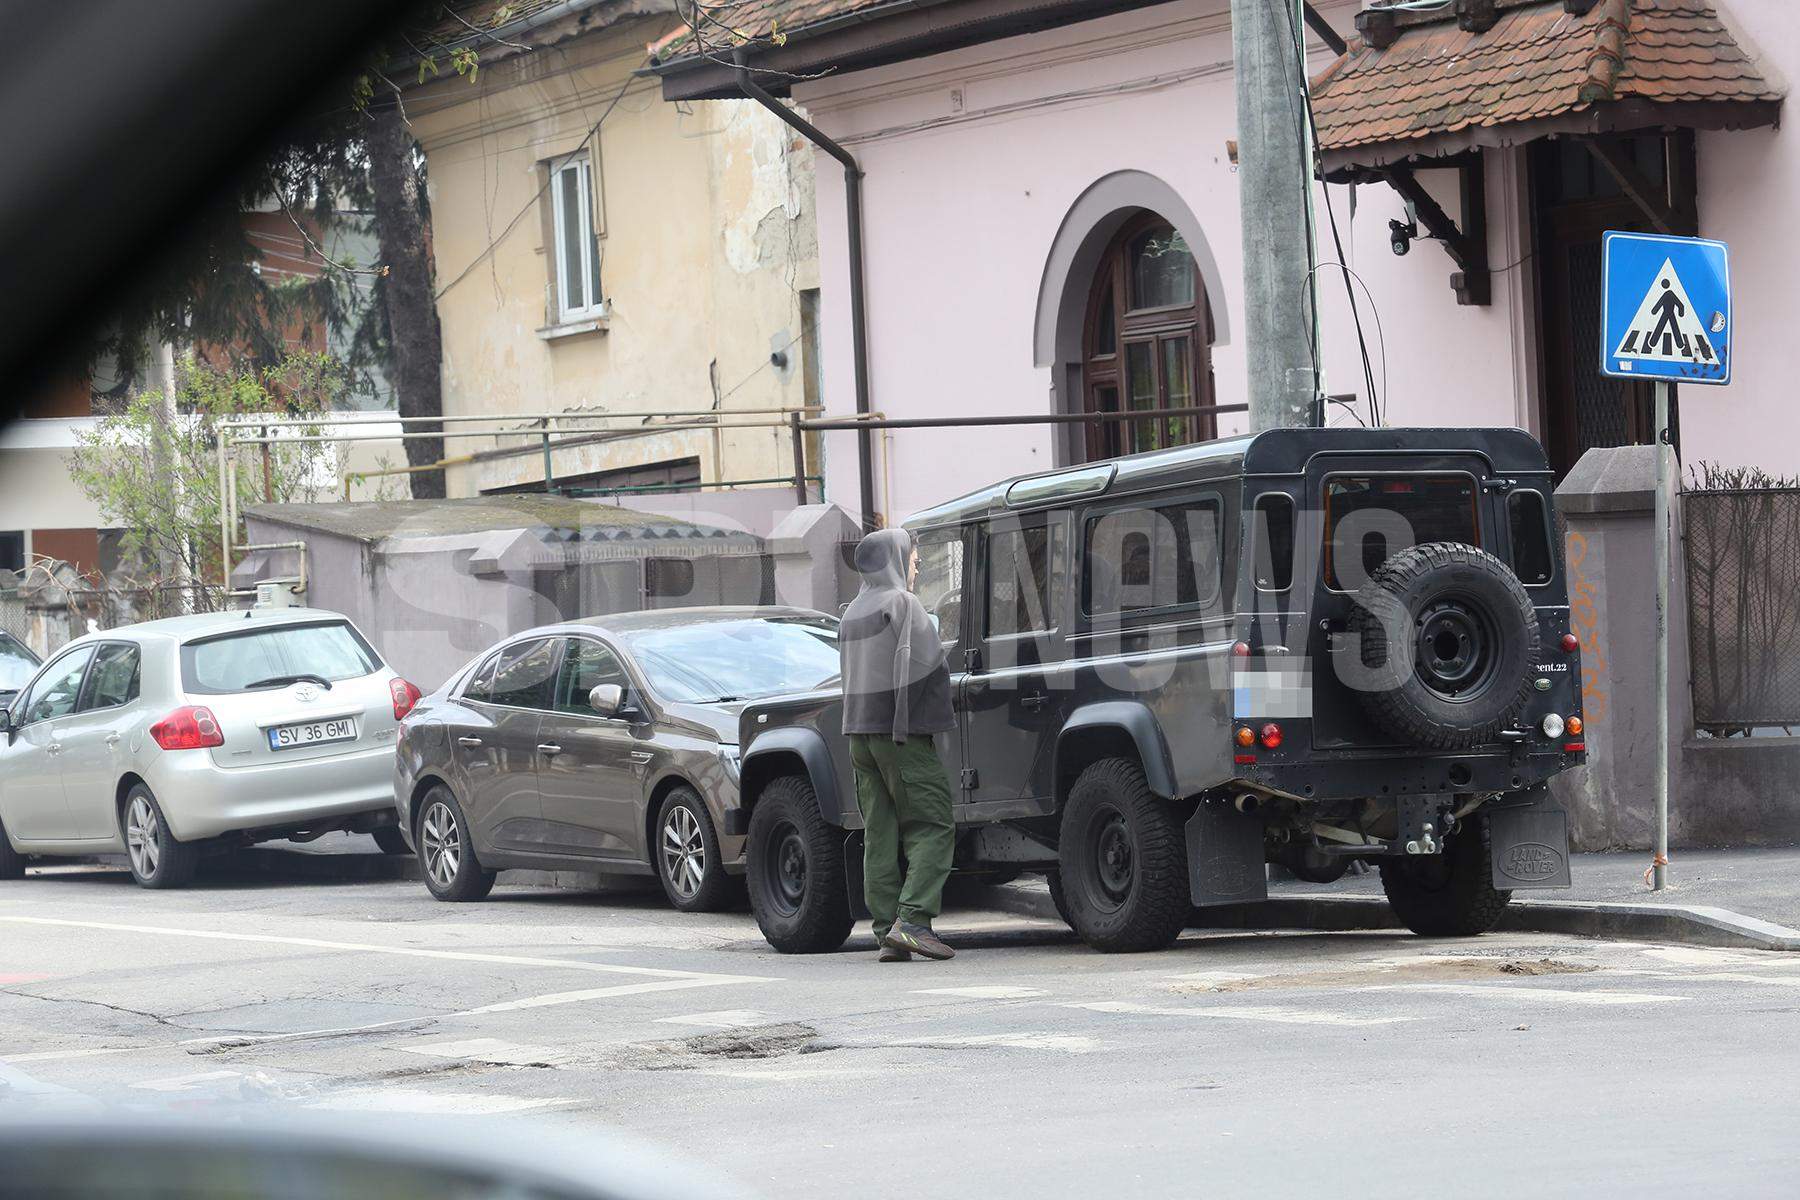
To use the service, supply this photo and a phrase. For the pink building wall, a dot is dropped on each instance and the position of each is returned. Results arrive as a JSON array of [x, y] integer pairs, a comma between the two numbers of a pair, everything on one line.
[[975, 158]]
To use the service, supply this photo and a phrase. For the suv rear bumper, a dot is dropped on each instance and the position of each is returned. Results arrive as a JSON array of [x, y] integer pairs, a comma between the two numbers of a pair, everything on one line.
[[1357, 777]]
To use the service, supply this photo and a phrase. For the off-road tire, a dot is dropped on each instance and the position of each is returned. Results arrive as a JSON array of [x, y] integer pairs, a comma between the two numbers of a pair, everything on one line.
[[1451, 894], [469, 880], [717, 890], [1407, 589], [389, 840], [12, 863], [1054, 879], [810, 914], [1123, 855], [174, 862]]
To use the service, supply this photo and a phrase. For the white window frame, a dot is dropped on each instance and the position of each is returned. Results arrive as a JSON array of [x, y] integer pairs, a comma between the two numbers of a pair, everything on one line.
[[583, 222]]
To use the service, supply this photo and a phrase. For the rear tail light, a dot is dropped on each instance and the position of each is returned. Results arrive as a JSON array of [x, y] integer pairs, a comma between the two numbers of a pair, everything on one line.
[[191, 728], [1240, 650], [1271, 736], [1246, 736], [1573, 726], [1574, 747], [1243, 760], [406, 697], [1570, 643]]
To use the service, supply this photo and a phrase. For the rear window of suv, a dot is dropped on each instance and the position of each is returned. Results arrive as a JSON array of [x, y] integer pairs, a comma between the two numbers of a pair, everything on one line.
[[239, 662], [1377, 516]]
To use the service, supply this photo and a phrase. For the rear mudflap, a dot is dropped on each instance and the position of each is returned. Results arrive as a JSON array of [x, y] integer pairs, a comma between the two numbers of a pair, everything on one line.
[[1529, 837], [1225, 856], [853, 875]]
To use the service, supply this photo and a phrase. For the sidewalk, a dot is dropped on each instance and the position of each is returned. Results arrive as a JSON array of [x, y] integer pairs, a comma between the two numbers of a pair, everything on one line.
[[1757, 883]]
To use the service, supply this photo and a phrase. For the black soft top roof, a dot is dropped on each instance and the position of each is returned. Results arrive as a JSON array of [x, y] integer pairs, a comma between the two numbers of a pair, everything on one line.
[[1272, 452]]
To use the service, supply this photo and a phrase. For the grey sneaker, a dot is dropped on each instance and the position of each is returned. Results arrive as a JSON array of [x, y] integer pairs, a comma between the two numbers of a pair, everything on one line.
[[893, 954], [918, 939]]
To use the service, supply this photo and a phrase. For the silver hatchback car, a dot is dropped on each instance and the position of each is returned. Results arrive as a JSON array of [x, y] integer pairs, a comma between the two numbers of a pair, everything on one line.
[[166, 739]]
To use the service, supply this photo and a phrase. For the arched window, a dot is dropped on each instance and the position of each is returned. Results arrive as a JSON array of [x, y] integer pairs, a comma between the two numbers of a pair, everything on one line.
[[1148, 343]]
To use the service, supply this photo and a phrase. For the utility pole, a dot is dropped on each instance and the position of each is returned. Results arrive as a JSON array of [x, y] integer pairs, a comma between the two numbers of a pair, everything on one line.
[[173, 560], [1275, 191]]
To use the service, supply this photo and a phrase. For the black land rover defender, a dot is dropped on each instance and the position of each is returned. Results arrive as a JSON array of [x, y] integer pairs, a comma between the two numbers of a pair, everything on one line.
[[1304, 647]]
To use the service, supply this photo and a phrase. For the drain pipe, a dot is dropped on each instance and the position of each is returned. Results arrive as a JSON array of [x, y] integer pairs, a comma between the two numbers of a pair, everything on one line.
[[859, 331]]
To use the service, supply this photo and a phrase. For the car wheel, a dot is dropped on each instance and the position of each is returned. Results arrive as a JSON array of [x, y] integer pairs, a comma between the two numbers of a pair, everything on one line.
[[157, 859], [1451, 894], [1058, 898], [1123, 857], [12, 863], [447, 850], [795, 871], [389, 840], [686, 852]]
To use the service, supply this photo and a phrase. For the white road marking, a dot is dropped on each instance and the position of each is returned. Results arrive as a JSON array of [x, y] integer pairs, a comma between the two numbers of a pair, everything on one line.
[[489, 1050], [1215, 977], [1728, 977], [571, 964], [184, 1083], [731, 1018], [1272, 1013], [1698, 956], [63, 1055], [987, 992], [1067, 1043], [1539, 995], [395, 1100], [624, 989]]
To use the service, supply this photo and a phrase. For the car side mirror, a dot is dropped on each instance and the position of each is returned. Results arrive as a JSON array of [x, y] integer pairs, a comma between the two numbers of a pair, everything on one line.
[[607, 699]]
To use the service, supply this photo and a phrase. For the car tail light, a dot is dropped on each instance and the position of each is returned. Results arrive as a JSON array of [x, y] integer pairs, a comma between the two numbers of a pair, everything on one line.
[[1574, 747], [1243, 760], [190, 728], [1271, 735], [1246, 736], [1570, 643], [406, 696], [1573, 726], [1240, 650]]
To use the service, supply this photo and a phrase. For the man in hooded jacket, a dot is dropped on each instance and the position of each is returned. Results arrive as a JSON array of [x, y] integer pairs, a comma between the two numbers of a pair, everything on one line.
[[896, 700]]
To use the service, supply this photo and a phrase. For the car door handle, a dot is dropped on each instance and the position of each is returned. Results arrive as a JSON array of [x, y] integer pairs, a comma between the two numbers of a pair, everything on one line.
[[54, 748], [549, 748], [641, 756], [1035, 701], [112, 739], [468, 741]]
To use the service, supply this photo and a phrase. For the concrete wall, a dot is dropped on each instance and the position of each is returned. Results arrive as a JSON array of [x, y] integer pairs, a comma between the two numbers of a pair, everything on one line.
[[1722, 792], [976, 159], [708, 243]]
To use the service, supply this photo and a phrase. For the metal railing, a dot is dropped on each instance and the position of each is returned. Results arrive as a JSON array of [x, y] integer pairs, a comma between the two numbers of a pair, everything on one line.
[[1742, 549]]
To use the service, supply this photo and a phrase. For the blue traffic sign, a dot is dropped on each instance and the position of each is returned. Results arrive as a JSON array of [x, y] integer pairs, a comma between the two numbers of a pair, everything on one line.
[[1667, 309]]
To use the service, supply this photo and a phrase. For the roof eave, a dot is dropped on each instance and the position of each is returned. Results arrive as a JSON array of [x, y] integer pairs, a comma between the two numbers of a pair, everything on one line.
[[1619, 116]]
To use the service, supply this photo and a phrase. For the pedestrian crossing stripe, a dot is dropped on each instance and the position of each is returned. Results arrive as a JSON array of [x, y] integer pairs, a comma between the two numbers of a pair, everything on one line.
[[1666, 327]]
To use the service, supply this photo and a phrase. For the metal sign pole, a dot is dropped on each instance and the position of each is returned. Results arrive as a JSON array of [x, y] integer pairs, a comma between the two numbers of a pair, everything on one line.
[[1659, 869]]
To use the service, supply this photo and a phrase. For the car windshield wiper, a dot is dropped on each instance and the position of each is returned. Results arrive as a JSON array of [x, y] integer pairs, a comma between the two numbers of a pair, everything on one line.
[[284, 680]]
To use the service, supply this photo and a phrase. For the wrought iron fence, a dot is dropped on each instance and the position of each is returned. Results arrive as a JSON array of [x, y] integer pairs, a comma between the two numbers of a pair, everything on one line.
[[1743, 579]]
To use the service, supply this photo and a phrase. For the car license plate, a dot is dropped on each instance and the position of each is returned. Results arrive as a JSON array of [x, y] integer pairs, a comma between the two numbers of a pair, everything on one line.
[[313, 733]]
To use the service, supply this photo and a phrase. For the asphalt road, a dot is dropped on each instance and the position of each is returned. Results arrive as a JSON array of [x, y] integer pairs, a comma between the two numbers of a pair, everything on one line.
[[1279, 1064]]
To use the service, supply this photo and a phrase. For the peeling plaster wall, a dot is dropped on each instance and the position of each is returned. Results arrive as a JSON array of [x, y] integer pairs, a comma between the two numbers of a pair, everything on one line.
[[707, 241]]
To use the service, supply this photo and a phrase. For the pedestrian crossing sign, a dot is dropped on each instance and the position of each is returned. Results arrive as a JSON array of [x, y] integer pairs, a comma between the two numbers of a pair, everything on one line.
[[1666, 309]]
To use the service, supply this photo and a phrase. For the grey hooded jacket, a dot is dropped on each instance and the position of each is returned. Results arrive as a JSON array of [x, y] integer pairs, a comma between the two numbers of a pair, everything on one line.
[[896, 681]]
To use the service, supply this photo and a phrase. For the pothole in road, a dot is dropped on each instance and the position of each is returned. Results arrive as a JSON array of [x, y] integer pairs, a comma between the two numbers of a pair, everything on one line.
[[757, 1043], [1425, 970]]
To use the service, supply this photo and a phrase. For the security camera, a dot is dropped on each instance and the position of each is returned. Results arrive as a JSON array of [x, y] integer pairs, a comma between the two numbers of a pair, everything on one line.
[[1401, 235]]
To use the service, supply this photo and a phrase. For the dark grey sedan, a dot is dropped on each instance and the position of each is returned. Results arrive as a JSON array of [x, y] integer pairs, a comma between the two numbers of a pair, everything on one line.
[[604, 745]]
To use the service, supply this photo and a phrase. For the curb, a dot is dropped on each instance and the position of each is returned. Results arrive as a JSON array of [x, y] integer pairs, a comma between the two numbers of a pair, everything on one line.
[[1681, 924]]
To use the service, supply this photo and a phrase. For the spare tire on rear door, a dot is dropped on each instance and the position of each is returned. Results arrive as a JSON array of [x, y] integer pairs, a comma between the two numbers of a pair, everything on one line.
[[1448, 639]]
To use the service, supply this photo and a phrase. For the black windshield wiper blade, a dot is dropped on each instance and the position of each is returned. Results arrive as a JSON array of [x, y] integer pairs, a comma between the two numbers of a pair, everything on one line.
[[284, 680]]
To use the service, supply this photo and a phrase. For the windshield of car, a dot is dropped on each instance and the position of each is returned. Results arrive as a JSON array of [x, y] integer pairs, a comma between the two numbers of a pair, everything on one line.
[[737, 660], [16, 664], [241, 662]]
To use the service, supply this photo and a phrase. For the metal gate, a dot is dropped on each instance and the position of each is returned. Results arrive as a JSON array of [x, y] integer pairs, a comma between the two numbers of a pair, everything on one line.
[[1743, 579]]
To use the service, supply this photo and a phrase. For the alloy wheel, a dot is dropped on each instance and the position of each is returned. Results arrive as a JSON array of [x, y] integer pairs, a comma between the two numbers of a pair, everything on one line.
[[141, 836], [441, 844], [683, 852]]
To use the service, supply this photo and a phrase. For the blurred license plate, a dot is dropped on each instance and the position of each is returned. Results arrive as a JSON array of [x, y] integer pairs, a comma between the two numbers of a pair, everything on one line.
[[313, 733]]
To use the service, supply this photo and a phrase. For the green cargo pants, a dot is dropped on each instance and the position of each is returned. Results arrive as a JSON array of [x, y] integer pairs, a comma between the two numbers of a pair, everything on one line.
[[904, 795]]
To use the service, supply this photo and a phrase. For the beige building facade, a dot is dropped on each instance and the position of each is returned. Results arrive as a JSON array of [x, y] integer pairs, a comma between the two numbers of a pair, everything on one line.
[[600, 251]]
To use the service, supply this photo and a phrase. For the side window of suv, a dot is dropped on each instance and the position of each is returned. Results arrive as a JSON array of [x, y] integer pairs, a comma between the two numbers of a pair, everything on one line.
[[114, 678], [1165, 556], [1028, 568], [527, 676], [940, 583]]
